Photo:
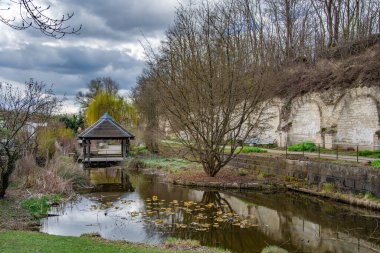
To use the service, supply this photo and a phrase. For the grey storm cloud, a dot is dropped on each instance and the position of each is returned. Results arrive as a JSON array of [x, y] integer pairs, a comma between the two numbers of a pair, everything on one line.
[[125, 16], [120, 19], [108, 44], [67, 60]]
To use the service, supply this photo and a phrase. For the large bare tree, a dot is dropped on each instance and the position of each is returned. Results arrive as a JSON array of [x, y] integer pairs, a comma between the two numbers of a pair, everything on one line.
[[209, 72], [22, 111], [206, 80], [30, 14]]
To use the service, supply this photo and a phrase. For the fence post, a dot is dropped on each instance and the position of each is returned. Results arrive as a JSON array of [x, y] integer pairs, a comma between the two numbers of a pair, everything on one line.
[[286, 150], [337, 151], [357, 153], [303, 150]]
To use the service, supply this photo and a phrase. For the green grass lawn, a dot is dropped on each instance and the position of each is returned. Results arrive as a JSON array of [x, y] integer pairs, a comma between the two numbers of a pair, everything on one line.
[[172, 165], [22, 241]]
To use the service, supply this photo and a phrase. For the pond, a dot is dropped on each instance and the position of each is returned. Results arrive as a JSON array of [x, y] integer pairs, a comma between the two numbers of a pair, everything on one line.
[[235, 220]]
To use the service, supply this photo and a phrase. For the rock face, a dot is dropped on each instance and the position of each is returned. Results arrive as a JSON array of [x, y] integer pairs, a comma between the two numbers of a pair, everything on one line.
[[348, 116]]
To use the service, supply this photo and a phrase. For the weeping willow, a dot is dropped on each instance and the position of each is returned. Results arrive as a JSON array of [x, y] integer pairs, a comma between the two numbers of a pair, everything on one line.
[[114, 105]]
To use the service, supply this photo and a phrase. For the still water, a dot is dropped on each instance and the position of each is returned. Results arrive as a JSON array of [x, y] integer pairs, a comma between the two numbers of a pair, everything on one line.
[[238, 221]]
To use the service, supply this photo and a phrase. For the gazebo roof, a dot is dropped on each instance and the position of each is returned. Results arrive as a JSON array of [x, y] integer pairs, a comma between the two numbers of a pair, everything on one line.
[[106, 128]]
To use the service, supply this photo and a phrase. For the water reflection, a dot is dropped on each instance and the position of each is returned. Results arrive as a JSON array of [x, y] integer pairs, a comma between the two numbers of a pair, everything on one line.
[[110, 179], [294, 222]]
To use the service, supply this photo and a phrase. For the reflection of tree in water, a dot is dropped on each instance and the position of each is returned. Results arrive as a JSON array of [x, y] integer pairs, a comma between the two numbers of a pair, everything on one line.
[[199, 223], [110, 179], [126, 183], [215, 198]]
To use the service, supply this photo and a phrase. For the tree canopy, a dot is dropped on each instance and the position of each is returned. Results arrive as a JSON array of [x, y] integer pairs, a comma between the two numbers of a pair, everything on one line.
[[112, 104]]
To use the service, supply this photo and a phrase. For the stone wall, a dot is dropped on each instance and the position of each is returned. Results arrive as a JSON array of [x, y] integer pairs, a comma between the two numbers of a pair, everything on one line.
[[349, 117], [306, 123], [346, 178]]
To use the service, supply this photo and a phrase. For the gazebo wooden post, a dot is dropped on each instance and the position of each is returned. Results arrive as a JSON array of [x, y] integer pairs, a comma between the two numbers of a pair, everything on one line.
[[127, 147], [123, 148], [89, 150], [84, 146]]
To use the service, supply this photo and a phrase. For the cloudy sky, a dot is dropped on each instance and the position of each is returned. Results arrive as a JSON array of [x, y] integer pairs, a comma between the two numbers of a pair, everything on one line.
[[108, 45]]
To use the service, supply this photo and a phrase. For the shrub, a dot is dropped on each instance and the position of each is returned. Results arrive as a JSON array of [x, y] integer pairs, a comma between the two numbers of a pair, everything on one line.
[[305, 146], [252, 150], [46, 143], [376, 163], [369, 195], [328, 187], [365, 152], [40, 205], [369, 153]]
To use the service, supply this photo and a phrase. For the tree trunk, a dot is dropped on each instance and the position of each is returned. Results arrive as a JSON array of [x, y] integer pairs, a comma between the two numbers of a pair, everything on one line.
[[5, 175], [4, 182], [212, 167]]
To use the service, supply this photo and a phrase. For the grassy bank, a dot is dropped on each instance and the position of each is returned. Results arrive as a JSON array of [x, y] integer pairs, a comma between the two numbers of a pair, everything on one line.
[[35, 188], [170, 165], [21, 241]]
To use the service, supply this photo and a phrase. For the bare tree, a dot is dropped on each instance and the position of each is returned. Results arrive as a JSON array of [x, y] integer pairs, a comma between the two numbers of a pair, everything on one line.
[[206, 81], [22, 111], [146, 98], [32, 15], [210, 70], [96, 86]]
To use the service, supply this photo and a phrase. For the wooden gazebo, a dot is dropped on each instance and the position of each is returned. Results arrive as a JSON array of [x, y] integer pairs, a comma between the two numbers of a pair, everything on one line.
[[105, 129]]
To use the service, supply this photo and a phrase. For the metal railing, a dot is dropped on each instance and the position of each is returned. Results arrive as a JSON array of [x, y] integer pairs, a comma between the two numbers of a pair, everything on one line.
[[343, 151]]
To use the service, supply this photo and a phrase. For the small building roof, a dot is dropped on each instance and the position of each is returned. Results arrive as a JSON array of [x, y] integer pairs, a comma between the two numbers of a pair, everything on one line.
[[106, 128]]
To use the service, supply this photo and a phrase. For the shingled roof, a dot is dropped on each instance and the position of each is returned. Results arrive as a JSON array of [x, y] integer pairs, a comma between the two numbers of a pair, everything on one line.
[[106, 128]]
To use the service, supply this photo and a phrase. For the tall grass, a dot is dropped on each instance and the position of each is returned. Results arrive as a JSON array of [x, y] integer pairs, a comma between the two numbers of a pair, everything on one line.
[[60, 175]]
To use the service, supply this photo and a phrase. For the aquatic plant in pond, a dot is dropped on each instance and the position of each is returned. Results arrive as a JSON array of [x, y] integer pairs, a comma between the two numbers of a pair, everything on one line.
[[203, 216], [142, 216]]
